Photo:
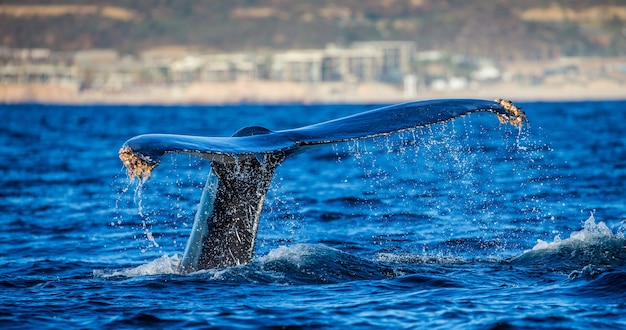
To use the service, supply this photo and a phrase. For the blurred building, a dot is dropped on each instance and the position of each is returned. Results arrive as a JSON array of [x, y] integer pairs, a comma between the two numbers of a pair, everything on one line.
[[386, 61]]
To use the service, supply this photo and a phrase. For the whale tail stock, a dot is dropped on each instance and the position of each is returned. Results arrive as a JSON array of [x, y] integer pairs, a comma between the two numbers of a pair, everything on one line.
[[236, 198], [242, 167]]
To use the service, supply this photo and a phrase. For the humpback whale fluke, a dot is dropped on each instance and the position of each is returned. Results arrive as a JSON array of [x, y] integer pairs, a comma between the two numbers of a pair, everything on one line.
[[242, 167]]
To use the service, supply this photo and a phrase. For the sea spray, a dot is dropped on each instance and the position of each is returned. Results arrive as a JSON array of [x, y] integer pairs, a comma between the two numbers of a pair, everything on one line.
[[160, 266], [588, 251]]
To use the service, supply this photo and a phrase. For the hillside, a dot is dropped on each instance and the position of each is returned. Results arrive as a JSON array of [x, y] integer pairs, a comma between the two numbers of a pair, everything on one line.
[[495, 28]]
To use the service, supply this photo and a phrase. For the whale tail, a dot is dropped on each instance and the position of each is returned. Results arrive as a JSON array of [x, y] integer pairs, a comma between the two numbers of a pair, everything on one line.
[[242, 167], [230, 209]]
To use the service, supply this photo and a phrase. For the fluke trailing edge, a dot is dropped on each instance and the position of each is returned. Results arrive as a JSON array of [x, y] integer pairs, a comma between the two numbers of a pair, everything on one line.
[[242, 167]]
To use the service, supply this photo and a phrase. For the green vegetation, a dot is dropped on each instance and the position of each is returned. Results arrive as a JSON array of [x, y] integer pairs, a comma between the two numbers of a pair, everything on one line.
[[493, 28]]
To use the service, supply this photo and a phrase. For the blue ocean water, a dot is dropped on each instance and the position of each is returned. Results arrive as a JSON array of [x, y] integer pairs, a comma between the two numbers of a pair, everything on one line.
[[466, 224]]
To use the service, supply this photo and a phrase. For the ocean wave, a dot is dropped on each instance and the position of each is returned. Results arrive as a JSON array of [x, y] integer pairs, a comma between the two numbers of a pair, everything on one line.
[[295, 264], [588, 252], [592, 234], [164, 265], [314, 263]]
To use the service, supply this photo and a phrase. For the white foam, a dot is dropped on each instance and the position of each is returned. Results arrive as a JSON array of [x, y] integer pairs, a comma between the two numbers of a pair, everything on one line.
[[419, 258], [294, 253], [160, 266], [592, 233]]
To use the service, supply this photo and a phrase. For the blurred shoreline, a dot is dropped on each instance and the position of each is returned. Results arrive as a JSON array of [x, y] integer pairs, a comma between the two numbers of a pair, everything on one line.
[[272, 92]]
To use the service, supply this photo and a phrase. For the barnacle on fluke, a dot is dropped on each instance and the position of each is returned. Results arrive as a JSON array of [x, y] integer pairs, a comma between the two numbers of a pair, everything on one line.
[[517, 117], [136, 165]]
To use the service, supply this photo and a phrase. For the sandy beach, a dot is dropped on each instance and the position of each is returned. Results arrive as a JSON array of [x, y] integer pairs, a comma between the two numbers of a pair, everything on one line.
[[270, 92]]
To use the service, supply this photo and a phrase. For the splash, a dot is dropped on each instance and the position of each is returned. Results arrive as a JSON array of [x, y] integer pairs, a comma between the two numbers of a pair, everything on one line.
[[588, 252], [295, 254], [162, 266], [420, 259], [592, 234], [225, 226]]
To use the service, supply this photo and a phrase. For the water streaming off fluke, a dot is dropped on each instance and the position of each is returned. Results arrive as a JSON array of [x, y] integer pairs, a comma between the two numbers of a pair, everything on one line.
[[226, 223]]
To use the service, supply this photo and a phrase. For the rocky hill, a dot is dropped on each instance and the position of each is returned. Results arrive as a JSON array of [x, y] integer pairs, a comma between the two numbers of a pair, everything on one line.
[[495, 28]]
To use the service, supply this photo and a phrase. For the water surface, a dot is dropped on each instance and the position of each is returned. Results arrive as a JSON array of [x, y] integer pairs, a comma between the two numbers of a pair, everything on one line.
[[468, 224]]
